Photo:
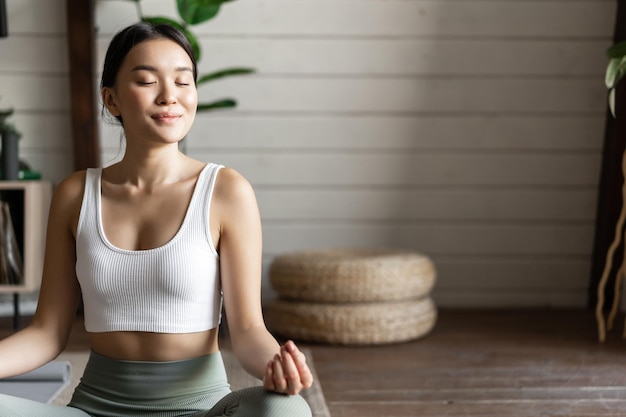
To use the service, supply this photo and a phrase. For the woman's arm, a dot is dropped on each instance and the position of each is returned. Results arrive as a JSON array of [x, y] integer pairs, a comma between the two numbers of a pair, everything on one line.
[[46, 336], [282, 369]]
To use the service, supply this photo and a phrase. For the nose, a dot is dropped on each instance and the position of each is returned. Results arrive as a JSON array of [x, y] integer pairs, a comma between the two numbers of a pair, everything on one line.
[[166, 95]]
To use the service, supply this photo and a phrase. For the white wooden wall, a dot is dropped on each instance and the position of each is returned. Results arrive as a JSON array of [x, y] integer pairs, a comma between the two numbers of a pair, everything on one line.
[[469, 130], [33, 80]]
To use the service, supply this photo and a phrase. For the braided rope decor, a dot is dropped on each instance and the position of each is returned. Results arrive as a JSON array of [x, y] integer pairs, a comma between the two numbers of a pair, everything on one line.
[[352, 324], [352, 275]]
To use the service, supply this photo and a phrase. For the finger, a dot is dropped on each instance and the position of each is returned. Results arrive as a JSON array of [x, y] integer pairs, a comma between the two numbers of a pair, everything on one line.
[[291, 347], [279, 378], [291, 373], [306, 377], [268, 377]]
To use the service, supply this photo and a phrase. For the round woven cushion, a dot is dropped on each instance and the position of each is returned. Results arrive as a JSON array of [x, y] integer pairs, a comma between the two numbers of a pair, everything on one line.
[[352, 324], [352, 275]]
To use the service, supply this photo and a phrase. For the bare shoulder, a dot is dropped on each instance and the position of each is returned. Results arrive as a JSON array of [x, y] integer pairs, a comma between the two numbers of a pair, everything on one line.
[[67, 199], [70, 189], [234, 202], [232, 188]]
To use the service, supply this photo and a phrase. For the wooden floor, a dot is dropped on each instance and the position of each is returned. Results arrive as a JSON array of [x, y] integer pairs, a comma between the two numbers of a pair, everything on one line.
[[483, 363], [474, 363]]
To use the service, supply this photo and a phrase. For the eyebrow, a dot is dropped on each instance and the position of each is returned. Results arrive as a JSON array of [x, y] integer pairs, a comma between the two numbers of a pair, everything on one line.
[[154, 69]]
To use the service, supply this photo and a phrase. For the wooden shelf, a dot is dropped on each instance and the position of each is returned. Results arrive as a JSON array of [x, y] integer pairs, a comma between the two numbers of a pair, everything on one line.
[[29, 202]]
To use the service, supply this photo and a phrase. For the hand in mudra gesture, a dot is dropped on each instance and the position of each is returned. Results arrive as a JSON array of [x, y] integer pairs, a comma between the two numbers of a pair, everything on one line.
[[288, 372]]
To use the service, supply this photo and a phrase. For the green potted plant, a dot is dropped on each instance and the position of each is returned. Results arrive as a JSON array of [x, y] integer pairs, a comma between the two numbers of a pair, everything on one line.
[[4, 125], [10, 137], [11, 167]]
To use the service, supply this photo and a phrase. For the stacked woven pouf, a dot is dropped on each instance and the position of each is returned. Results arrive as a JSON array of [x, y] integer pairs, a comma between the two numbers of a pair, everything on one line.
[[352, 296]]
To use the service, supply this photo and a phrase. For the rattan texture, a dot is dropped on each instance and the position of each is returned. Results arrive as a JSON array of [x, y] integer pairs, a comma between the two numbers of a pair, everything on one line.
[[352, 275], [371, 323]]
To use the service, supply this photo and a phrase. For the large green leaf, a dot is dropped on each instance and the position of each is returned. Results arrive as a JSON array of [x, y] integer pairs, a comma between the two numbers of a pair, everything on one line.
[[195, 45], [198, 11], [227, 103], [224, 73]]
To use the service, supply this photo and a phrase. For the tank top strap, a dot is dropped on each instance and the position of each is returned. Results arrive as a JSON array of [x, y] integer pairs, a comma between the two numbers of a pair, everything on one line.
[[211, 179], [206, 183], [91, 198]]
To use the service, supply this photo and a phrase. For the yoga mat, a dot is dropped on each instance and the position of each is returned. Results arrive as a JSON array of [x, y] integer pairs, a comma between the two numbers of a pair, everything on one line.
[[43, 384]]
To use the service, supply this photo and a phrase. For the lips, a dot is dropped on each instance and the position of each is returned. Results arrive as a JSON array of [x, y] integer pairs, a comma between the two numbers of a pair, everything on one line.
[[166, 116]]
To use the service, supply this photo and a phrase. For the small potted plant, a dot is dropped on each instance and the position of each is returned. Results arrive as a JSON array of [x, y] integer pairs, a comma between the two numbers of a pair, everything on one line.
[[4, 125], [10, 155]]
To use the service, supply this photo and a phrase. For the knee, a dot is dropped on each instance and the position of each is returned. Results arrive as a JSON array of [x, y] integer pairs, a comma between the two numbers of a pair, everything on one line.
[[295, 405], [272, 404]]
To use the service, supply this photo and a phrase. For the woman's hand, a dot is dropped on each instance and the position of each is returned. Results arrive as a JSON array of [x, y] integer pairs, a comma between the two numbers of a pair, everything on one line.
[[287, 372]]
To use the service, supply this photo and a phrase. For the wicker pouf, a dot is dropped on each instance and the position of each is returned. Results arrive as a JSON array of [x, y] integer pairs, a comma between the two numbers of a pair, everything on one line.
[[353, 323], [352, 275]]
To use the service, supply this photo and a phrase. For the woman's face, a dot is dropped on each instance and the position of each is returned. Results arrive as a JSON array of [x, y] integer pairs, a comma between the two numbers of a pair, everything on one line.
[[154, 92]]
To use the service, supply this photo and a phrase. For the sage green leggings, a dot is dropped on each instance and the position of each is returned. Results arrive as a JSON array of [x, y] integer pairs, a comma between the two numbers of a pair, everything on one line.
[[196, 387]]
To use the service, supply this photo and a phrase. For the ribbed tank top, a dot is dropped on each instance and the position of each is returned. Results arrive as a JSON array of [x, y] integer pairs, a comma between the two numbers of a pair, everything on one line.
[[174, 288]]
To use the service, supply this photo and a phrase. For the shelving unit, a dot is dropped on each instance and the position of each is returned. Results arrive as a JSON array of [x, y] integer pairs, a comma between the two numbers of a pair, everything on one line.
[[29, 202]]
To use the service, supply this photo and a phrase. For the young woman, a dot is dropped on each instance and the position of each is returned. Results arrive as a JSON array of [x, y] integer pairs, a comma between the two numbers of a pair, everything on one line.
[[154, 243]]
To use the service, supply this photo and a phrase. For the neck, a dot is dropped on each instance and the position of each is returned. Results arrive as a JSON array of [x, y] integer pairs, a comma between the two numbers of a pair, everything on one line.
[[150, 168]]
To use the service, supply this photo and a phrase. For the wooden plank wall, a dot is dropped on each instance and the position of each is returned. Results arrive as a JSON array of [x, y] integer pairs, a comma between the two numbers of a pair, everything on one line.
[[469, 130], [33, 80]]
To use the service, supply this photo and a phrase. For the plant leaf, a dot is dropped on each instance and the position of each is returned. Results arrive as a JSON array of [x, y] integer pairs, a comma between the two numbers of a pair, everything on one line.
[[6, 113], [612, 101], [617, 51], [198, 11], [620, 70], [615, 71], [227, 103], [195, 45], [610, 76], [621, 66], [193, 41], [224, 73]]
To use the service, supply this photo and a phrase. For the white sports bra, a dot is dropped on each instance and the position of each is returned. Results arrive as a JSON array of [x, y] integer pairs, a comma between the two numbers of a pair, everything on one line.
[[174, 288]]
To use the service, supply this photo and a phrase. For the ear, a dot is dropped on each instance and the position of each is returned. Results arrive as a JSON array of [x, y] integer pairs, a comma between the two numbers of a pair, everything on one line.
[[109, 100]]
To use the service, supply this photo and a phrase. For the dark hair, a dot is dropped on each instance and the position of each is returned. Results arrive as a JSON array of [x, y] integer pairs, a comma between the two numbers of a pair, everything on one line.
[[133, 35]]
